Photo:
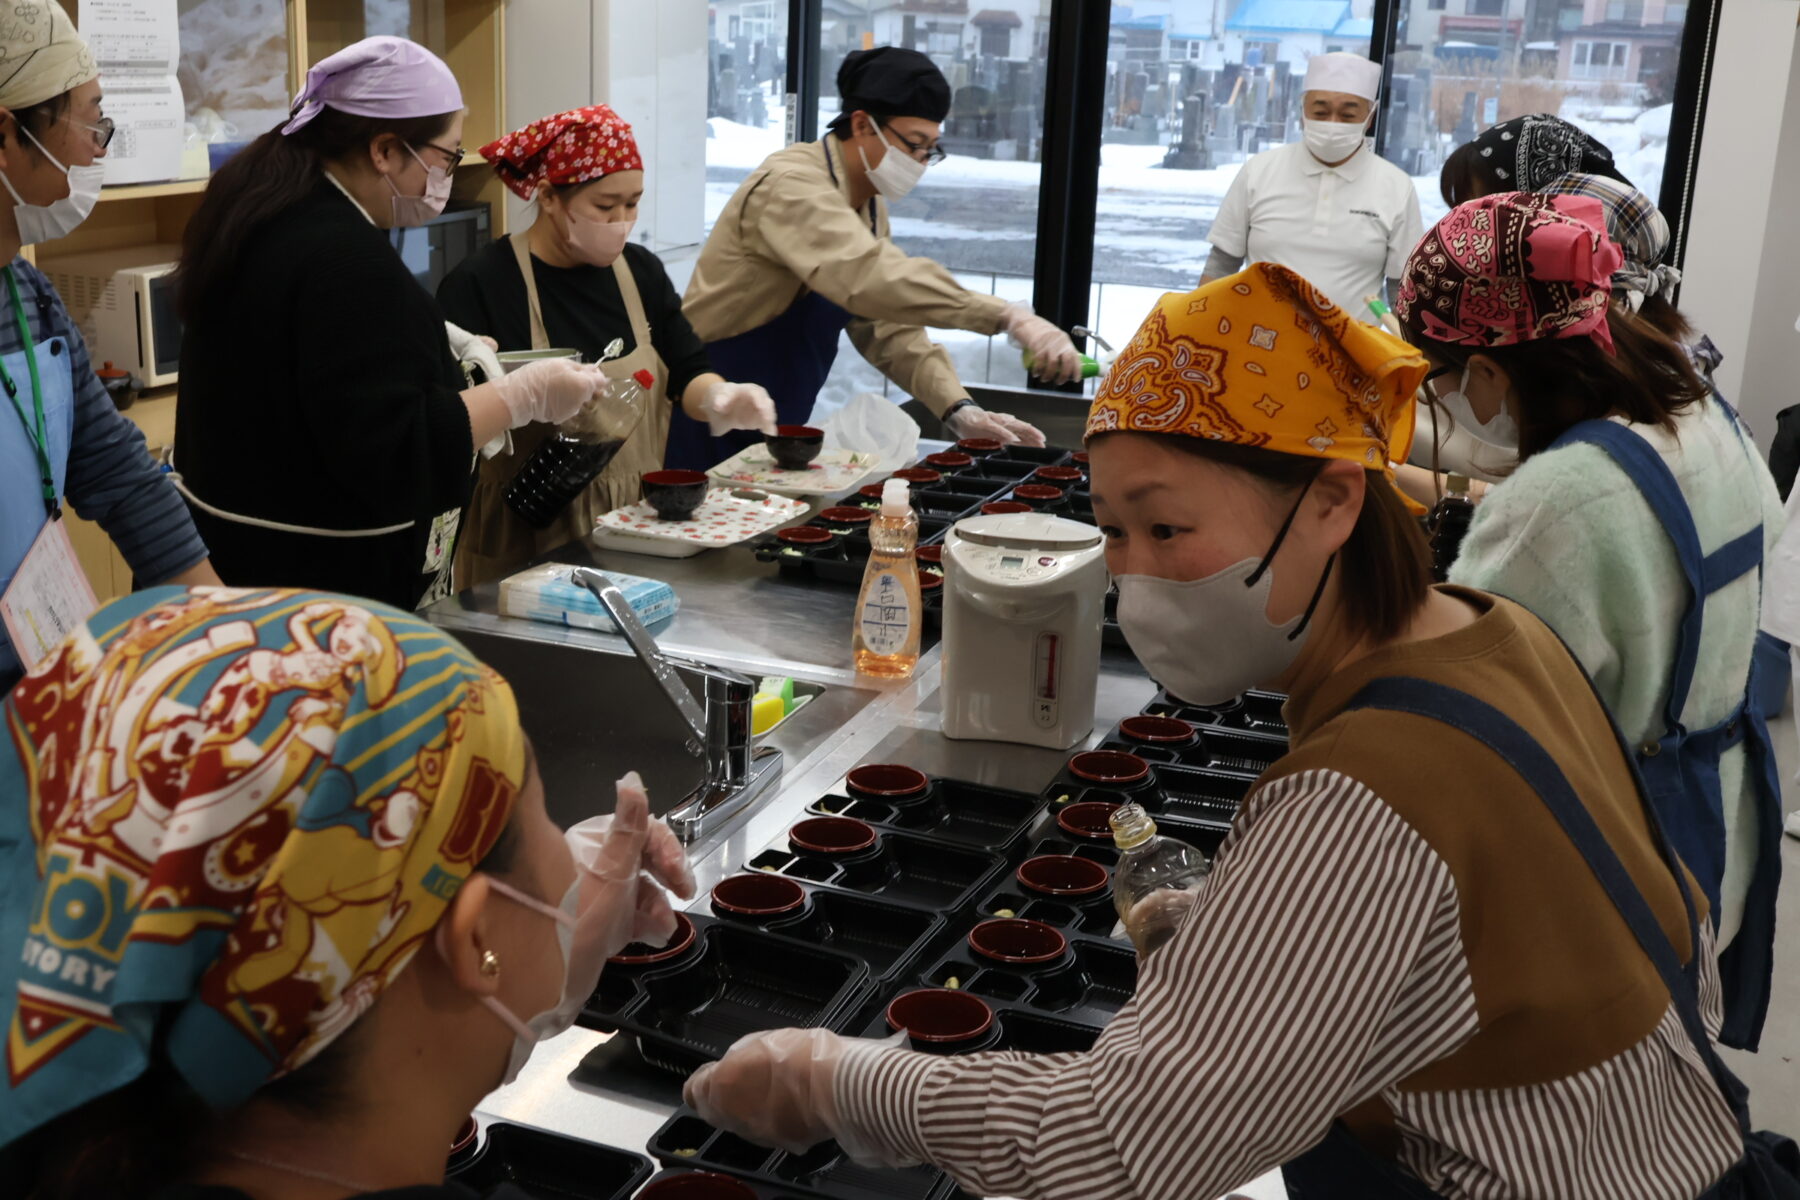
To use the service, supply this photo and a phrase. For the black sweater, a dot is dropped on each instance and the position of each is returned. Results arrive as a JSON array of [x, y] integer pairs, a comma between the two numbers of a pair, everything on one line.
[[318, 389], [582, 308]]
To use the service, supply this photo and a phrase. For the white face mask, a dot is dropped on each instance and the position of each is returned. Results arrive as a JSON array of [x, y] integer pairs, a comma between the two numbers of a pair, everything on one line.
[[898, 172], [46, 223], [412, 211], [1500, 432], [1210, 640], [1333, 141]]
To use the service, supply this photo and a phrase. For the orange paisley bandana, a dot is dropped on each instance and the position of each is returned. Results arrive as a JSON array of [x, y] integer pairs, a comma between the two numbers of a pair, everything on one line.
[[1264, 359]]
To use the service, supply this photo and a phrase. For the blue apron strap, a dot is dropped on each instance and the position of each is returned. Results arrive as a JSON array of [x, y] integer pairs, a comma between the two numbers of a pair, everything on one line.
[[1533, 764], [1646, 468], [1740, 556]]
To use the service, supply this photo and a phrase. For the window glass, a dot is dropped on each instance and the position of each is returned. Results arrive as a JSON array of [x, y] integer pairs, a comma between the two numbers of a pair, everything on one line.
[[1607, 66], [746, 93]]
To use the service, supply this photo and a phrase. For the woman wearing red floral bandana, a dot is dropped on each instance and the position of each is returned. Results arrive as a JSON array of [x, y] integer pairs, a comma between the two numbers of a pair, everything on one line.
[[1635, 524], [573, 280]]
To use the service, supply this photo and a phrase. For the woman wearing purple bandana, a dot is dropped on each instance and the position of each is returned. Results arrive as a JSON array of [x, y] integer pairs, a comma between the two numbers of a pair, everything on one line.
[[326, 435], [1634, 521]]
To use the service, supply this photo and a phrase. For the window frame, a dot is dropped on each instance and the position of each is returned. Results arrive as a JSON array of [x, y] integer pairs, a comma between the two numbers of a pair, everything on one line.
[[1075, 86]]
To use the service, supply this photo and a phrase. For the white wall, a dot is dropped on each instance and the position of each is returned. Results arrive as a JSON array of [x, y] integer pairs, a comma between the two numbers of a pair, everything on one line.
[[647, 60], [1772, 359], [1752, 123]]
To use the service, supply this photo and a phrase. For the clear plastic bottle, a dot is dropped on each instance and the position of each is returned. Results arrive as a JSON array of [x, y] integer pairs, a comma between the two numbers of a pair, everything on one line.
[[885, 642], [573, 456], [1152, 877]]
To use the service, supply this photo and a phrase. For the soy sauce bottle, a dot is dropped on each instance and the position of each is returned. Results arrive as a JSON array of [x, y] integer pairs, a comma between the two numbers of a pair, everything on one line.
[[1154, 880], [569, 460], [1448, 524]]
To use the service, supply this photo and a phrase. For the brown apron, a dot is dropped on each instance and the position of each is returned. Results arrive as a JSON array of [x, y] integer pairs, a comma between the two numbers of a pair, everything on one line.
[[495, 541]]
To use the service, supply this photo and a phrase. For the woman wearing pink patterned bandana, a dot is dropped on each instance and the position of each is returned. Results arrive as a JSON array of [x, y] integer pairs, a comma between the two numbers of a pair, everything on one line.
[[1635, 523], [573, 280]]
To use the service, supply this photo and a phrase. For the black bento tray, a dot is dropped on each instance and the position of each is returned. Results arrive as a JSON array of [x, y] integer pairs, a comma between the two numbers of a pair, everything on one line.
[[1216, 748], [1255, 712], [902, 866], [887, 936], [546, 1166], [1094, 978], [1015, 1028], [733, 980], [761, 1189], [1178, 797], [952, 810], [823, 1171]]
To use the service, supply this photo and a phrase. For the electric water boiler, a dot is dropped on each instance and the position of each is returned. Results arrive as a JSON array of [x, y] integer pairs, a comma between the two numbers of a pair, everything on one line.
[[1024, 597]]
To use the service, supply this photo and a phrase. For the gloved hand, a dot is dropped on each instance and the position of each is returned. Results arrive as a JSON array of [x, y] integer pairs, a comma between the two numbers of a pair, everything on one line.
[[780, 1089], [474, 350], [1054, 358], [971, 421], [730, 406], [552, 390], [626, 860]]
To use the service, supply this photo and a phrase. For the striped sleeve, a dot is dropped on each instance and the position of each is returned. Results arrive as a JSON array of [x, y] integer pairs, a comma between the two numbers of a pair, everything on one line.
[[1322, 961]]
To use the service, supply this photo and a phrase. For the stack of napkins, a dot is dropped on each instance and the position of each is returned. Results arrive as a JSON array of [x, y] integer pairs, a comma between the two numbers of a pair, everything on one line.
[[547, 593]]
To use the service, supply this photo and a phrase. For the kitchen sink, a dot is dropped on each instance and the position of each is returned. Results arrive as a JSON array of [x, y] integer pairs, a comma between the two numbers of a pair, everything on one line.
[[593, 712]]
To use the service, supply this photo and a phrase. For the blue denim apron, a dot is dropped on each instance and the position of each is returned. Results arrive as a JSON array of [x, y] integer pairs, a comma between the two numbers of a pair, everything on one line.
[[790, 356], [1681, 768], [1341, 1168]]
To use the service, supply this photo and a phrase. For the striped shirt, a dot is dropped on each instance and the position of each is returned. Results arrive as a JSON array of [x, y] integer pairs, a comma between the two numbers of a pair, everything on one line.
[[1332, 962]]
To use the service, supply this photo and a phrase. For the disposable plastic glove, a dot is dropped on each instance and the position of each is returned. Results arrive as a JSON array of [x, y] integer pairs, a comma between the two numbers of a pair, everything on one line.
[[780, 1089], [474, 350], [974, 422], [730, 406], [1054, 358], [552, 390], [626, 860]]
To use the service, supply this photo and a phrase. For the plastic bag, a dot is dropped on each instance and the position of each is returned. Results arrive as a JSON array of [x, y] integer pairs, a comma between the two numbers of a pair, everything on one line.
[[872, 424]]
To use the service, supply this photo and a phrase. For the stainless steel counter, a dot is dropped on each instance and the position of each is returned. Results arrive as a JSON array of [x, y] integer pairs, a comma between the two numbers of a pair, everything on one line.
[[741, 613]]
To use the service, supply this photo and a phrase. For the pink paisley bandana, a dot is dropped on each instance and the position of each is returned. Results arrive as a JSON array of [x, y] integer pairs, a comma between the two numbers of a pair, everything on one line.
[[1513, 268], [571, 147]]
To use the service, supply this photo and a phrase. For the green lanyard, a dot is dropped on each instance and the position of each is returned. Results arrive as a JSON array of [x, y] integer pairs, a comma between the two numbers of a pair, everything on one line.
[[39, 438]]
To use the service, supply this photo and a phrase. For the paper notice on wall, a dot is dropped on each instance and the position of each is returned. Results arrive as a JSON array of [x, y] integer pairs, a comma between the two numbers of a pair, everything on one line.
[[138, 46]]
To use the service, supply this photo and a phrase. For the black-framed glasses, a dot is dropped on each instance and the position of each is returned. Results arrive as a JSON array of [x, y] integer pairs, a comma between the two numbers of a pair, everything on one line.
[[103, 130], [931, 155], [455, 156]]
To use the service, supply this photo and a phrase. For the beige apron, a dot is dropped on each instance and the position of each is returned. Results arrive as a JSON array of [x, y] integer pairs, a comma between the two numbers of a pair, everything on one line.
[[496, 541]]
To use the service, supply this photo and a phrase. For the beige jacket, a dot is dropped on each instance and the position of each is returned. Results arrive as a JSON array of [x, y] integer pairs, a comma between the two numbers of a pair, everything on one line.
[[790, 229]]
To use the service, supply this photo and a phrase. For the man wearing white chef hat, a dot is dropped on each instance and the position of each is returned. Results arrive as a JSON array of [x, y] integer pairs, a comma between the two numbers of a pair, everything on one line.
[[1327, 206]]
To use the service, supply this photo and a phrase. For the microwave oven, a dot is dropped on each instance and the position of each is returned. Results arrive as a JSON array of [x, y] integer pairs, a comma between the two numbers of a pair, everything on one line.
[[124, 305], [436, 248]]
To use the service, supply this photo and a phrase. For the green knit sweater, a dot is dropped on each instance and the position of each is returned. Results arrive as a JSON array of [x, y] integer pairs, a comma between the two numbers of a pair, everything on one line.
[[1570, 537]]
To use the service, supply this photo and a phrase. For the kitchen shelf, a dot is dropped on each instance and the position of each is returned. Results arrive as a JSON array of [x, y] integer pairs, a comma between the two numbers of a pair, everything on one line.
[[151, 191]]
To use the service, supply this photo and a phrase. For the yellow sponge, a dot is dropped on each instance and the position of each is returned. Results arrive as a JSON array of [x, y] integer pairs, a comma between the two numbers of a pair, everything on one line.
[[766, 713]]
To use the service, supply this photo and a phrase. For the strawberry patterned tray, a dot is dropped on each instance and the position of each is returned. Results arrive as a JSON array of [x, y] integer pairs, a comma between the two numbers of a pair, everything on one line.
[[834, 471], [724, 518]]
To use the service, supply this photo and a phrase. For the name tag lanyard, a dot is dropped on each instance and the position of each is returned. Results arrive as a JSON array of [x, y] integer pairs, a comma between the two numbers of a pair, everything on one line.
[[36, 434]]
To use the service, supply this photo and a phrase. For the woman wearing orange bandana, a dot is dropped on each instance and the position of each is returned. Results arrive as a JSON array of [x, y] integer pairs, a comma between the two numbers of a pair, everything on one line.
[[1403, 977], [573, 281]]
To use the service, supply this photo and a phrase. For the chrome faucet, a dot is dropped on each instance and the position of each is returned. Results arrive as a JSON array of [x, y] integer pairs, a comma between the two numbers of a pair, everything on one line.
[[737, 771]]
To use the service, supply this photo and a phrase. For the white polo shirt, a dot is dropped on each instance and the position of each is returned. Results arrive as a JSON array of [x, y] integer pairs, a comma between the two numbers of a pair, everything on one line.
[[1346, 228]]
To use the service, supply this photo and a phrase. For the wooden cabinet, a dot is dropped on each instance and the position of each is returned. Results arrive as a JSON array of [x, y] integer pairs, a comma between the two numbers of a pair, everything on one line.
[[468, 34]]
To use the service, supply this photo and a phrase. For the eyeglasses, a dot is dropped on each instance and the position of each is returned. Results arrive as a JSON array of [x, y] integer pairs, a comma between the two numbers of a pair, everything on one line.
[[103, 130], [931, 155], [455, 156]]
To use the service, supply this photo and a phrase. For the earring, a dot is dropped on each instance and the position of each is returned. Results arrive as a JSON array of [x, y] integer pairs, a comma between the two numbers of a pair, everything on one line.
[[490, 964]]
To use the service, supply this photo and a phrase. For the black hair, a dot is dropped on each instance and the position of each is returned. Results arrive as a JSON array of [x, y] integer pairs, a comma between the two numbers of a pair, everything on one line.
[[264, 179], [37, 120], [1648, 378], [156, 1130]]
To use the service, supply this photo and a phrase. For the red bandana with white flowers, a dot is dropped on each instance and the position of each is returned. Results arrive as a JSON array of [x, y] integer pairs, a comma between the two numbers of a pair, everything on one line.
[[571, 147]]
